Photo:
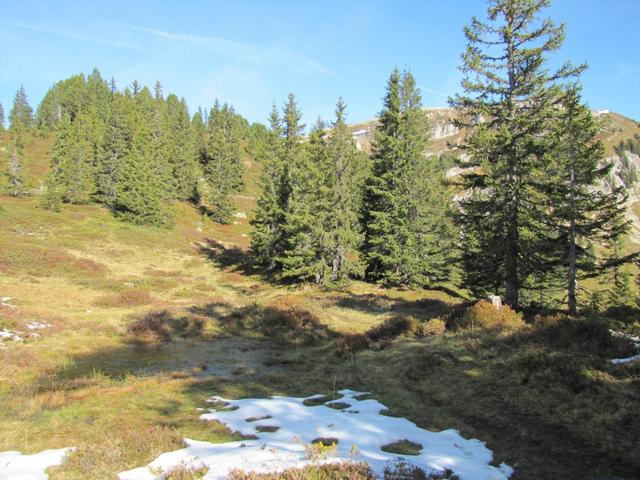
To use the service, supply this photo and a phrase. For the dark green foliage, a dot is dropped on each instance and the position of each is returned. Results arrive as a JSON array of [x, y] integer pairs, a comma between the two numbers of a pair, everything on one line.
[[267, 233], [72, 177], [21, 115], [508, 102], [278, 230], [580, 212], [135, 151], [182, 156], [407, 209], [221, 164], [306, 224], [141, 196], [15, 180]]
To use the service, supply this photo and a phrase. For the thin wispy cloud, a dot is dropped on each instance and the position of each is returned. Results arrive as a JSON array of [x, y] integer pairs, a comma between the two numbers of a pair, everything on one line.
[[245, 52], [77, 36]]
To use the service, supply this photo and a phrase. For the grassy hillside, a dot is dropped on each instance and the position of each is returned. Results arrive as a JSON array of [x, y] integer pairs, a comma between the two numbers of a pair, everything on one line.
[[147, 323]]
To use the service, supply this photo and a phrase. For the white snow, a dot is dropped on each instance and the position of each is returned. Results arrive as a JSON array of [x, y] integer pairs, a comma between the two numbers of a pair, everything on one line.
[[360, 424], [636, 344], [15, 466], [19, 336]]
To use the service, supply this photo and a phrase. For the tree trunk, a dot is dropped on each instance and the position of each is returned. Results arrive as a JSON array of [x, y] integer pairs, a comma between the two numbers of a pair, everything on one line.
[[571, 273]]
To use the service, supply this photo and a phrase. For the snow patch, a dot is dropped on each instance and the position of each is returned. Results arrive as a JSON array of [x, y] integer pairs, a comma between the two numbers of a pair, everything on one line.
[[15, 466], [361, 425], [636, 344], [19, 336]]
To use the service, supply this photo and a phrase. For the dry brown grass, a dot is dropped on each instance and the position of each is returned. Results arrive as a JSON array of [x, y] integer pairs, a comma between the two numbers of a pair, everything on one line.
[[331, 471], [485, 316], [126, 299]]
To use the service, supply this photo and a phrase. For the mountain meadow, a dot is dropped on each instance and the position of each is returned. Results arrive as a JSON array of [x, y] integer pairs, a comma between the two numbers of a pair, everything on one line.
[[470, 270]]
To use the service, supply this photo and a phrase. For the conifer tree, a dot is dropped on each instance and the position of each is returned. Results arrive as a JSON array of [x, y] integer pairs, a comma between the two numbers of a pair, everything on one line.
[[55, 181], [307, 250], [141, 197], [14, 170], [582, 212], [345, 179], [21, 115], [116, 147], [268, 220], [222, 164], [404, 241], [508, 101], [1, 118], [72, 163], [182, 157]]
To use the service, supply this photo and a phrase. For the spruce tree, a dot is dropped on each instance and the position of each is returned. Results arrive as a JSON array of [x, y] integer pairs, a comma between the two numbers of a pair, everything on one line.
[[141, 197], [182, 157], [307, 250], [508, 102], [222, 164], [267, 233], [14, 169], [407, 234], [345, 179], [117, 145], [582, 212], [21, 115]]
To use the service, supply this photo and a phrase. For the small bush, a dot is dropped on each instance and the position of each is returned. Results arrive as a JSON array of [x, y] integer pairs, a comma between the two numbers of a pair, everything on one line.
[[403, 470], [331, 471], [181, 472], [393, 327], [352, 343], [162, 326], [435, 326], [483, 315], [128, 298], [318, 450]]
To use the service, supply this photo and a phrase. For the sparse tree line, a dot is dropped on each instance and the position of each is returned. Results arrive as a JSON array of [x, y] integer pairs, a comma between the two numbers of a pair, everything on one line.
[[522, 220]]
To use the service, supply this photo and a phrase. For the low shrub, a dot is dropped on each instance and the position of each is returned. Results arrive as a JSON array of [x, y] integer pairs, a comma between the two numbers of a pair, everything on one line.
[[352, 343], [435, 326], [484, 315], [330, 471], [128, 298], [404, 470], [181, 472], [162, 326], [393, 327]]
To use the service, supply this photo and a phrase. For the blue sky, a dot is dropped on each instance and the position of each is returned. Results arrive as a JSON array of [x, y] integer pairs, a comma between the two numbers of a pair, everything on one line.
[[252, 53]]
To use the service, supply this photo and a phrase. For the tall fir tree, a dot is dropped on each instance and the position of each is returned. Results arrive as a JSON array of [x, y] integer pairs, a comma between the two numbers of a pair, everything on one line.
[[72, 176], [307, 243], [141, 197], [21, 115], [508, 102], [221, 164], [117, 144], [582, 212], [268, 220], [15, 177], [182, 156], [345, 177], [404, 243]]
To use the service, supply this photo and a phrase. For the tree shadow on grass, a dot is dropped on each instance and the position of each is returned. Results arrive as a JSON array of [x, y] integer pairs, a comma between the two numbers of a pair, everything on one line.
[[227, 257], [422, 309]]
